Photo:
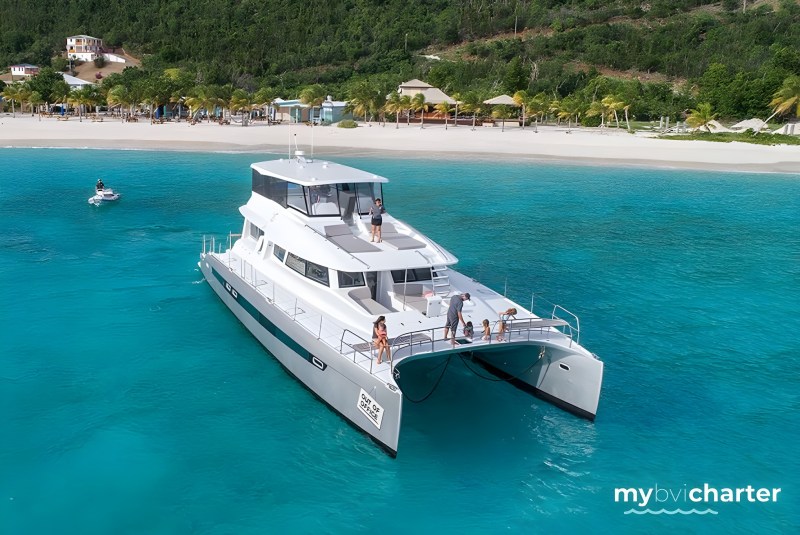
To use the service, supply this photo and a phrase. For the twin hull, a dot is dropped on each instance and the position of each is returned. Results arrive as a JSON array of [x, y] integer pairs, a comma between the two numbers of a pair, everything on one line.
[[566, 379]]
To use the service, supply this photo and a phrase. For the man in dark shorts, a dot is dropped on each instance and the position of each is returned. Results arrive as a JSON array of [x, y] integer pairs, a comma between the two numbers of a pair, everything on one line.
[[454, 316], [376, 211]]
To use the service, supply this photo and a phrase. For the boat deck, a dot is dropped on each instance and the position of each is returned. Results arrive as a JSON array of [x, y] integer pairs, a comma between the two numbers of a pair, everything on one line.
[[426, 341]]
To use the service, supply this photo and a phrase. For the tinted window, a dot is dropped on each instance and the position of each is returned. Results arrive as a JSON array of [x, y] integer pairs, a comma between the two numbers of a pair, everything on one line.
[[308, 269], [413, 275], [255, 232], [270, 187], [296, 263], [317, 273], [350, 280], [279, 252]]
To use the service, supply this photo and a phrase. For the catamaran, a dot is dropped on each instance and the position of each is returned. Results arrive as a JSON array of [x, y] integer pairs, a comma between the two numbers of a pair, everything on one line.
[[305, 279]]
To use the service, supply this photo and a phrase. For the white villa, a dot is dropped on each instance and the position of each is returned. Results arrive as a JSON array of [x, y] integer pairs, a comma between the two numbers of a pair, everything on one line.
[[84, 47], [87, 48]]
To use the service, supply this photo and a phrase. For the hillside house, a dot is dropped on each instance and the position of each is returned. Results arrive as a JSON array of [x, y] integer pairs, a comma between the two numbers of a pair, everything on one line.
[[24, 69], [84, 47]]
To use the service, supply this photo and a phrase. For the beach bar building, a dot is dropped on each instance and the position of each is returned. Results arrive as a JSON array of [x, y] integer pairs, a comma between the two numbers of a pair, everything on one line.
[[433, 95], [292, 111]]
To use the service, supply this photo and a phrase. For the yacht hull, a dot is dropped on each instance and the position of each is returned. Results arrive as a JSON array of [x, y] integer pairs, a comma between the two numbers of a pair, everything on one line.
[[569, 380], [332, 377]]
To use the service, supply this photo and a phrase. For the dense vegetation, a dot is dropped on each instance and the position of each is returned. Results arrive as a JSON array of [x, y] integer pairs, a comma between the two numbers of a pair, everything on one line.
[[660, 57]]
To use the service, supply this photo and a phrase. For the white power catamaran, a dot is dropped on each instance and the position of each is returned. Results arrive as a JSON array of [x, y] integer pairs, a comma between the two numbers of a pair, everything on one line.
[[305, 280]]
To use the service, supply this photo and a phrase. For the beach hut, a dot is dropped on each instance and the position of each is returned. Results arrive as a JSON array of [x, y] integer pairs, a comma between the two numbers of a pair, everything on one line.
[[433, 95], [502, 100]]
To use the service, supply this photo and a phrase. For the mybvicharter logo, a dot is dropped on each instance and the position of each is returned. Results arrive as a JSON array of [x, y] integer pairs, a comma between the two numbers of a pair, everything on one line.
[[673, 498]]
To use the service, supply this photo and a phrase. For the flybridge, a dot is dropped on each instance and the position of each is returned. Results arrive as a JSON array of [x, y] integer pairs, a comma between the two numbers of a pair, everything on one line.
[[317, 189], [306, 172]]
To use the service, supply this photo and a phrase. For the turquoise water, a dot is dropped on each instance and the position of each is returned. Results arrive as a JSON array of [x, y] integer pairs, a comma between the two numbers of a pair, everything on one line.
[[132, 401]]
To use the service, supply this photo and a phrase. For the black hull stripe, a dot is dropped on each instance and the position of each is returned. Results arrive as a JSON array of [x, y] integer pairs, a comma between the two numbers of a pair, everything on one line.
[[262, 319], [525, 387]]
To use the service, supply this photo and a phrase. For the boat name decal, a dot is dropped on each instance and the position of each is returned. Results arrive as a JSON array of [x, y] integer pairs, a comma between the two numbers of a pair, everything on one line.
[[371, 409]]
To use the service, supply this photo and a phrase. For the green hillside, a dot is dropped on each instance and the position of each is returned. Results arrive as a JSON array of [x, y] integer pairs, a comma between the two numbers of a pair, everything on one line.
[[672, 52]]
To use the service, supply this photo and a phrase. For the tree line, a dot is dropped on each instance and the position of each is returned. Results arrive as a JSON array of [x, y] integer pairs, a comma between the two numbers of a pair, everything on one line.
[[734, 55]]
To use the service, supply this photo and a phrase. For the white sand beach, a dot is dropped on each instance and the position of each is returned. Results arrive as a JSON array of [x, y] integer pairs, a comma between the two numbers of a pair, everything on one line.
[[582, 145]]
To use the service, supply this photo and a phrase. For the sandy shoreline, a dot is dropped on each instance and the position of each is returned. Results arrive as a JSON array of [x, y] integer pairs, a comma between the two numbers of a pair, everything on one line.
[[583, 146]]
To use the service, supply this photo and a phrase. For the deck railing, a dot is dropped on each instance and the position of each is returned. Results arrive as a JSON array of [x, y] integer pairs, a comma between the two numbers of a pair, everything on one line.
[[339, 337]]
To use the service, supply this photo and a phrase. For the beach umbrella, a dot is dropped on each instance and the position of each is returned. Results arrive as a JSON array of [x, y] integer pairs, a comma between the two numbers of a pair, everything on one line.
[[503, 100]]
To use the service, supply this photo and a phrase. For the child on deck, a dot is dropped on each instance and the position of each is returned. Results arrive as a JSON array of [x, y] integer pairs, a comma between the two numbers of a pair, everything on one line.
[[487, 330], [469, 330]]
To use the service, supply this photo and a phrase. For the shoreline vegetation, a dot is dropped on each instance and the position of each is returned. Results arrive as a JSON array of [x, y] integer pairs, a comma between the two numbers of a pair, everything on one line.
[[591, 146]]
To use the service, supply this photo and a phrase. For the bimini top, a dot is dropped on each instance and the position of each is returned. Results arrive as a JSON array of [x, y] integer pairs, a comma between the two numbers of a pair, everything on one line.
[[305, 172]]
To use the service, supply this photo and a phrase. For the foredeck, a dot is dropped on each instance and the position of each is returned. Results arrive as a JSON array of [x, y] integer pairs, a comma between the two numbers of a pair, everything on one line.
[[415, 343]]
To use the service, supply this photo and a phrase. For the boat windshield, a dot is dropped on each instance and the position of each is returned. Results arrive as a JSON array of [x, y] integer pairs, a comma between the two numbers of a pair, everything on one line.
[[344, 199]]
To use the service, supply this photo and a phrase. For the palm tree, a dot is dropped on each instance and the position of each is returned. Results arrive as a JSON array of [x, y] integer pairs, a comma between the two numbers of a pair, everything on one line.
[[60, 94], [473, 103], [457, 98], [418, 104], [35, 100], [538, 105], [12, 93], [701, 116], [786, 98], [502, 112], [522, 98], [597, 108], [569, 107], [405, 102], [394, 104], [314, 96], [444, 108], [24, 94], [118, 96], [241, 101], [265, 96], [202, 98], [362, 98]]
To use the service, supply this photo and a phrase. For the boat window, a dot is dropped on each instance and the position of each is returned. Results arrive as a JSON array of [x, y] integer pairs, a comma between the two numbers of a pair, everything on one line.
[[270, 187], [308, 269], [296, 263], [411, 275], [317, 273], [279, 252], [366, 193], [322, 200], [350, 280], [254, 231], [295, 197]]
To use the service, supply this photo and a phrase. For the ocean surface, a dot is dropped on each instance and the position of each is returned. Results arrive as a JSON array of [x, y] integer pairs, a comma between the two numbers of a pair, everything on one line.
[[133, 402]]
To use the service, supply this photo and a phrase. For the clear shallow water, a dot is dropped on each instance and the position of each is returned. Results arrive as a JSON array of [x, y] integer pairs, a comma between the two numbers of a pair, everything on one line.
[[132, 401]]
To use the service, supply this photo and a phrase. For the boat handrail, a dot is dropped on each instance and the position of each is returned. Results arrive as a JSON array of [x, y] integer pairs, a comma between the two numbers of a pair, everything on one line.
[[518, 326], [553, 310]]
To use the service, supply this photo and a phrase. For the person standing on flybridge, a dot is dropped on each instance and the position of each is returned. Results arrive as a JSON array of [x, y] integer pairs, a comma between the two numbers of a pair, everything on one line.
[[376, 211]]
